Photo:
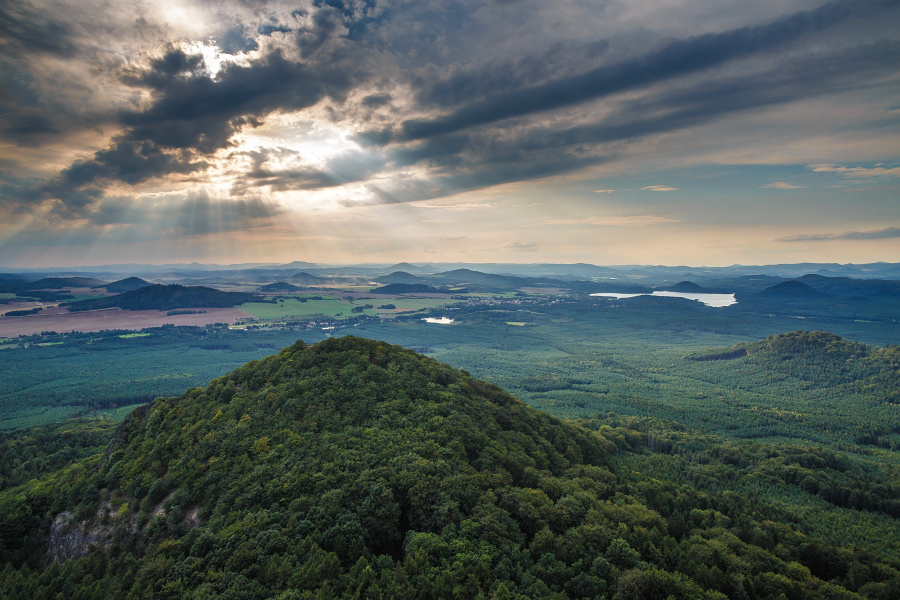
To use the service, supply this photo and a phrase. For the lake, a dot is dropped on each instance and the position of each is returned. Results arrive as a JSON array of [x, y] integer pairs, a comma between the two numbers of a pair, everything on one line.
[[441, 321], [714, 300]]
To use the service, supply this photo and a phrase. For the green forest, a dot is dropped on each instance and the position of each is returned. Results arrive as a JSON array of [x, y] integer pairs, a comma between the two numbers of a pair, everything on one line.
[[165, 297], [658, 448], [358, 469]]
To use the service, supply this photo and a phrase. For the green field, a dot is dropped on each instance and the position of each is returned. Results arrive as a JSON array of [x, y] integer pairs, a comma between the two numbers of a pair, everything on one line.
[[407, 304], [335, 307], [293, 308]]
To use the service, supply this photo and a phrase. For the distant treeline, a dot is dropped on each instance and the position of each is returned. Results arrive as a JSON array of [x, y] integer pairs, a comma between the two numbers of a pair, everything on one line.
[[727, 355], [22, 313], [167, 297]]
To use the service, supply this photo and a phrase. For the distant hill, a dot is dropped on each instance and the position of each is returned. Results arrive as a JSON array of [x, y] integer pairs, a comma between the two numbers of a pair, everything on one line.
[[126, 285], [409, 268], [468, 276], [398, 277], [297, 264], [278, 286], [490, 282], [487, 282], [166, 297], [687, 287], [846, 286], [824, 360], [744, 285], [408, 288], [305, 278], [56, 283], [790, 290]]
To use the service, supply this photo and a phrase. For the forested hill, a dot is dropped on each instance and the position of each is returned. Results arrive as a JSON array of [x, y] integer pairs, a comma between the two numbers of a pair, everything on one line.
[[408, 288], [823, 360], [166, 297], [126, 285], [357, 469]]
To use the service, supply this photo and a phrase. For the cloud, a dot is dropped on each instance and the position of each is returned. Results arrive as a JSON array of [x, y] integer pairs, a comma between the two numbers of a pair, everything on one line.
[[783, 185], [857, 172], [484, 81], [454, 206], [875, 234], [292, 174], [625, 221], [521, 246], [425, 101], [677, 58], [479, 158], [191, 116], [25, 29]]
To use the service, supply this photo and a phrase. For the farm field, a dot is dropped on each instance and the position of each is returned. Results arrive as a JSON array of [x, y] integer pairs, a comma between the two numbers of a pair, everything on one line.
[[60, 320], [338, 308]]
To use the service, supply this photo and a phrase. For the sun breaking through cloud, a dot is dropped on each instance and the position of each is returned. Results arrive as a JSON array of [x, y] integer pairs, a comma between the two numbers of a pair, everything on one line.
[[207, 123]]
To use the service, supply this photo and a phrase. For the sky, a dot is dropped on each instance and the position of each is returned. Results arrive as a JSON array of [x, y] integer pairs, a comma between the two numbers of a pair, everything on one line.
[[694, 132]]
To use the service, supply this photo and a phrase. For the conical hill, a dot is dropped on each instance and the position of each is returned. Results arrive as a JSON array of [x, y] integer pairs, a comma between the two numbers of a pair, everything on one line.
[[357, 469], [387, 440]]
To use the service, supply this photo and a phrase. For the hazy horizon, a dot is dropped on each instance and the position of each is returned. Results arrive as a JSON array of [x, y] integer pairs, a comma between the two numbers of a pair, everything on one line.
[[611, 133], [435, 264]]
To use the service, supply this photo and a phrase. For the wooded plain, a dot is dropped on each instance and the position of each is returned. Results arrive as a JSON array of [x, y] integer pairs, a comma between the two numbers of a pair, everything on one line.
[[747, 451]]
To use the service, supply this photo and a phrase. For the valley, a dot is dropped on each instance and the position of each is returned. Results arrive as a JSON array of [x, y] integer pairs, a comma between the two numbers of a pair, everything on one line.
[[686, 429]]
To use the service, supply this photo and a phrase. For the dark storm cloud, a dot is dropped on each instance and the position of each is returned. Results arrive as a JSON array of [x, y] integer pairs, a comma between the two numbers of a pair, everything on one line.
[[678, 58], [25, 29], [201, 113], [29, 126], [82, 185], [475, 159], [877, 234], [364, 64], [681, 107], [376, 100], [345, 168], [485, 166], [485, 81], [193, 115], [29, 34], [327, 23]]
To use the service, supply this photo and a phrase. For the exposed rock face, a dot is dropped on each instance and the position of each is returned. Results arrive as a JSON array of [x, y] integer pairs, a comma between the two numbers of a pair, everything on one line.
[[70, 540]]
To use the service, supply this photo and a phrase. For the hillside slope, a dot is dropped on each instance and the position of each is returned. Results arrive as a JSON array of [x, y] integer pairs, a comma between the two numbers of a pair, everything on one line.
[[166, 297], [353, 468], [126, 285], [823, 360]]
